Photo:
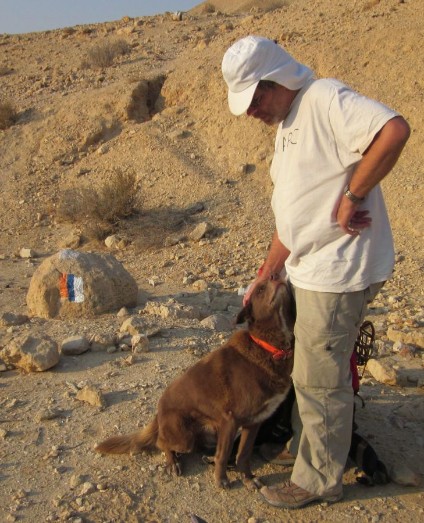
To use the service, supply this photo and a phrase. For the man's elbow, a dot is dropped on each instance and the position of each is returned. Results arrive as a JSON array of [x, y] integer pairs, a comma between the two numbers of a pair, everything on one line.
[[400, 131]]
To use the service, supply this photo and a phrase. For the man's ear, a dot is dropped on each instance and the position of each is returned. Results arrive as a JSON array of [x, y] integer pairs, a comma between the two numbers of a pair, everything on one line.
[[245, 314]]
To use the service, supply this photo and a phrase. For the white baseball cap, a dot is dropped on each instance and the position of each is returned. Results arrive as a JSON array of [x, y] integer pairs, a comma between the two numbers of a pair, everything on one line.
[[253, 59]]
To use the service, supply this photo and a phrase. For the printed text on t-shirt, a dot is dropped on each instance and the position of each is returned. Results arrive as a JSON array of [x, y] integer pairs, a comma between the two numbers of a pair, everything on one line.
[[290, 139]]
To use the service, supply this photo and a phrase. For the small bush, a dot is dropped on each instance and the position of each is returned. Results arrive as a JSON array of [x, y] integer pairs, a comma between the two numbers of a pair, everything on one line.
[[207, 8], [8, 115], [104, 54], [118, 198]]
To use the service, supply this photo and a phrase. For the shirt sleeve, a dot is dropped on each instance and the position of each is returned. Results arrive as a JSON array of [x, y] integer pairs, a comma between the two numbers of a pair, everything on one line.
[[356, 119]]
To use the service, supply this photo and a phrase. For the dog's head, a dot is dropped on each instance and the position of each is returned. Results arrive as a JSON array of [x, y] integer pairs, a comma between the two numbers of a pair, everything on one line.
[[271, 306]]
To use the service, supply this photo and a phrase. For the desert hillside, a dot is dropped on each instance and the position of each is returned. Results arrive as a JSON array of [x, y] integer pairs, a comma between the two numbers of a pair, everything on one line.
[[143, 100]]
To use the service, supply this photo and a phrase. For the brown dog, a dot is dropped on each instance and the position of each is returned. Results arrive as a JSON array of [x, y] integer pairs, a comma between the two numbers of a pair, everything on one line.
[[234, 387]]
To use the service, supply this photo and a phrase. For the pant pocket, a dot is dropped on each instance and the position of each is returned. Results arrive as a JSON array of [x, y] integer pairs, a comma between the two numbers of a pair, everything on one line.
[[322, 359]]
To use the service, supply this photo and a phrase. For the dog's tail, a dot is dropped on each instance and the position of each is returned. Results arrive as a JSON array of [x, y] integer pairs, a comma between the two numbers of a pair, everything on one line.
[[131, 443]]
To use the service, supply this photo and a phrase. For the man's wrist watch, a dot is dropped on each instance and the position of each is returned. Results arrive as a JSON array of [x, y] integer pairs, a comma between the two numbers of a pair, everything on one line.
[[352, 197]]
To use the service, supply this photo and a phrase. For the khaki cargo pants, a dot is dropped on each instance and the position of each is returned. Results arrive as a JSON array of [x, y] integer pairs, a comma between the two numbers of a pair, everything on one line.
[[325, 332]]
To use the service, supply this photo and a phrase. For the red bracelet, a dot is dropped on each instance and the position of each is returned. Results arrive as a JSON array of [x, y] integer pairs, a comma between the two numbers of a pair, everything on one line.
[[261, 269]]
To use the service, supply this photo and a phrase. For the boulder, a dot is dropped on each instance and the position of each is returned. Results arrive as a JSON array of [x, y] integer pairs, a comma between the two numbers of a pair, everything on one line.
[[31, 354], [73, 284]]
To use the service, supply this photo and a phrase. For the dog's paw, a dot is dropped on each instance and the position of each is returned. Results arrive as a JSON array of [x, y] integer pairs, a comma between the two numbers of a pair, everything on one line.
[[209, 460], [223, 483], [253, 483], [174, 469]]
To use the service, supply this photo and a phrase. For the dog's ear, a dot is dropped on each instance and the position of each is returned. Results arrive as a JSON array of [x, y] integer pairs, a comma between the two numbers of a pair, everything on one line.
[[245, 314]]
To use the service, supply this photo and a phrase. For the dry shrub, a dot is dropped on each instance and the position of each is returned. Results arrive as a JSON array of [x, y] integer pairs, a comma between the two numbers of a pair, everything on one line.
[[8, 115], [207, 8], [104, 54], [118, 198], [265, 6]]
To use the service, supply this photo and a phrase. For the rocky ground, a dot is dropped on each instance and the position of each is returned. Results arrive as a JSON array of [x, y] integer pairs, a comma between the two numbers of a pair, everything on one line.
[[159, 113]]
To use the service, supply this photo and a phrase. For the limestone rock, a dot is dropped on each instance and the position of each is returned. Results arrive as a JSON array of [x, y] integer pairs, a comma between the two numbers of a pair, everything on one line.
[[200, 231], [31, 354], [173, 310], [101, 342], [403, 475], [409, 337], [8, 319], [217, 322], [27, 253], [219, 303], [74, 345], [140, 343], [396, 370], [91, 395], [133, 325], [200, 285], [73, 284], [382, 370], [115, 242], [177, 16]]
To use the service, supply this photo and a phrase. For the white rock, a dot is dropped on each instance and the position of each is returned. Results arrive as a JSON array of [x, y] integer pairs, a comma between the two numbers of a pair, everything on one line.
[[26, 253]]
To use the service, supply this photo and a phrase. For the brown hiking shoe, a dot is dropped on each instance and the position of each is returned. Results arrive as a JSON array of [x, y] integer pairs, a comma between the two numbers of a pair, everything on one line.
[[290, 495], [276, 454]]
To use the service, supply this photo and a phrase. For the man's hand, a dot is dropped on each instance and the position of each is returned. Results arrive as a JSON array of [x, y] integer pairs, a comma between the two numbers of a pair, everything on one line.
[[377, 161], [350, 219], [250, 289]]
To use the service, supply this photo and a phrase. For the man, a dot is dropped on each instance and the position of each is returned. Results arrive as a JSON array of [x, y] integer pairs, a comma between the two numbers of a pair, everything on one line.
[[333, 238]]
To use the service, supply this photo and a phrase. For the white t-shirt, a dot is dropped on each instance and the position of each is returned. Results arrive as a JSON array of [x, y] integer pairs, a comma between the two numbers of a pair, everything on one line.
[[327, 130]]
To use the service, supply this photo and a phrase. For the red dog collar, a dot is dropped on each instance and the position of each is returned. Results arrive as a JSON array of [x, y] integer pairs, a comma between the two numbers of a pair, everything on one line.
[[277, 354]]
